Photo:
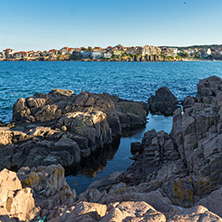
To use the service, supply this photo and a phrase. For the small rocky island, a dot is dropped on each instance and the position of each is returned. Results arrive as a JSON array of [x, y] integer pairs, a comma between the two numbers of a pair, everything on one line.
[[174, 177]]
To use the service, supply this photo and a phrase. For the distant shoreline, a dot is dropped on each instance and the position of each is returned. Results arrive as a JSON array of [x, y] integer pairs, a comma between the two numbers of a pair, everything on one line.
[[184, 60]]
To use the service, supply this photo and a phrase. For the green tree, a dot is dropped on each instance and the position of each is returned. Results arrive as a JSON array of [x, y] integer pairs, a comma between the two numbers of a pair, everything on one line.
[[183, 54], [90, 48], [75, 56]]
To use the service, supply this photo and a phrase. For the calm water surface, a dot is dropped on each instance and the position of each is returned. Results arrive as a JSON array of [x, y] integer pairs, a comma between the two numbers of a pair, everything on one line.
[[128, 80]]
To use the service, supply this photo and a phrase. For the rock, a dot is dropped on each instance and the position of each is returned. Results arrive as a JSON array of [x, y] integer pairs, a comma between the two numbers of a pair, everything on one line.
[[133, 211], [197, 213], [93, 126], [49, 186], [159, 159], [209, 87], [213, 202], [83, 211], [50, 107], [136, 147], [85, 207], [164, 102], [14, 200], [61, 93], [5, 216], [188, 102], [105, 183], [92, 195], [131, 114]]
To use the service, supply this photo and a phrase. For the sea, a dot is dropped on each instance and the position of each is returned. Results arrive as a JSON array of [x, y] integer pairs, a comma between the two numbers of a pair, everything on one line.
[[129, 80]]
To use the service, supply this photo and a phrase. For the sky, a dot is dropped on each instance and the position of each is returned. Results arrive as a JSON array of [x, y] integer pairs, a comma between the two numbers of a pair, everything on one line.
[[48, 24]]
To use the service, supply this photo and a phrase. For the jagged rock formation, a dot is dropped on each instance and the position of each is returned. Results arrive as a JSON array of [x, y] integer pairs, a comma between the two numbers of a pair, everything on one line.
[[15, 201], [187, 163], [48, 185], [50, 107], [170, 172], [56, 201], [62, 128], [164, 102]]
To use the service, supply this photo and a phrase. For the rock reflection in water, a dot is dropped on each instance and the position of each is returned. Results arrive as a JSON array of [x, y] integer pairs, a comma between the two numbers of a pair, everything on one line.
[[118, 157]]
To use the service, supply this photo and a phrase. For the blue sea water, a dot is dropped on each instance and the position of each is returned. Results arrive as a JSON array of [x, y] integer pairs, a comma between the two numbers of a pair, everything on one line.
[[128, 80]]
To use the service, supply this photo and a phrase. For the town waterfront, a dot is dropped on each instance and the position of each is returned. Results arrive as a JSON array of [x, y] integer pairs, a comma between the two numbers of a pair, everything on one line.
[[134, 81]]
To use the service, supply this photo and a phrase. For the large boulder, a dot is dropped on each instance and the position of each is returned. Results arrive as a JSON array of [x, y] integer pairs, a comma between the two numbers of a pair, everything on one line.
[[164, 102], [133, 211], [93, 126], [82, 211], [210, 86], [48, 185], [15, 201], [39, 146]]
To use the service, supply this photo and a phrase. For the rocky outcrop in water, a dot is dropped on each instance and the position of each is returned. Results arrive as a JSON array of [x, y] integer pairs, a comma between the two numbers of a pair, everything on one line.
[[186, 164], [50, 107], [164, 102], [174, 177], [64, 128]]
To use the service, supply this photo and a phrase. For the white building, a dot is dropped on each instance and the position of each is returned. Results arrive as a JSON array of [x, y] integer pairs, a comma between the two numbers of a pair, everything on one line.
[[97, 55], [64, 50], [107, 55]]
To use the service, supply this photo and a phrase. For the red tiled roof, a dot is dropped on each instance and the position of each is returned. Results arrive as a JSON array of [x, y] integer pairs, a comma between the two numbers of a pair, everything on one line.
[[52, 50], [21, 52], [99, 48]]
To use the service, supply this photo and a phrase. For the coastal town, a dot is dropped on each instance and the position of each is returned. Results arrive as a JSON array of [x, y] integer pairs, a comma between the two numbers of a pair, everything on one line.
[[116, 53]]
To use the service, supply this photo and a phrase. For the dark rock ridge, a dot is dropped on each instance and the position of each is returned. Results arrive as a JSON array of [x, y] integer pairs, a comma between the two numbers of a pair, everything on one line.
[[64, 128], [164, 102]]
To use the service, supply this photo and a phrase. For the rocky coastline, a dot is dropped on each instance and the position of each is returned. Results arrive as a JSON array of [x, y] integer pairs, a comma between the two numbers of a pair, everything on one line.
[[174, 177], [148, 58]]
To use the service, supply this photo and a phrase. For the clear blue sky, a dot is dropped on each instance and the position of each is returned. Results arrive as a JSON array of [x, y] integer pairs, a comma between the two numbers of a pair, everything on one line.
[[47, 24]]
